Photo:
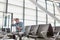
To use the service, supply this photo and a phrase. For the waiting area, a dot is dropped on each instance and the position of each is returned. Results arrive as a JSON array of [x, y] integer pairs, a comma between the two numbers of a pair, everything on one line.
[[29, 19], [32, 32]]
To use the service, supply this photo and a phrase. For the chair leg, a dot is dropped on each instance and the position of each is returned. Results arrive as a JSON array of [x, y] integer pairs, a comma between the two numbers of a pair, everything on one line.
[[23, 38], [29, 38], [20, 38], [35, 38]]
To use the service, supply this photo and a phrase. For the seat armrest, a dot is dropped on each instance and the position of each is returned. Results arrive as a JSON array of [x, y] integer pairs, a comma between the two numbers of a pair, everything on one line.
[[44, 34], [43, 31], [55, 36]]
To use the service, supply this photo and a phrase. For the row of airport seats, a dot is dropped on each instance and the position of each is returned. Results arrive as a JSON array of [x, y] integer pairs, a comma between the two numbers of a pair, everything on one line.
[[6, 30], [42, 31], [57, 29]]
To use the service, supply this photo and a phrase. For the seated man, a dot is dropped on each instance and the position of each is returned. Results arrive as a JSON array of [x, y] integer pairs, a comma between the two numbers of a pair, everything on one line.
[[19, 26]]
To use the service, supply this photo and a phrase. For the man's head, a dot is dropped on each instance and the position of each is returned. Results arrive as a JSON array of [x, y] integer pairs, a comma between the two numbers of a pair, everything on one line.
[[17, 20]]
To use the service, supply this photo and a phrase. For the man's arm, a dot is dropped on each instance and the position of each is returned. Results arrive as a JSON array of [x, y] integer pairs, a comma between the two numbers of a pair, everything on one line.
[[22, 27], [13, 24]]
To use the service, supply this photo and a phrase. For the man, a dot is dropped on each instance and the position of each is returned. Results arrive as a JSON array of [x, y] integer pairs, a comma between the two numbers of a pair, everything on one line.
[[19, 26]]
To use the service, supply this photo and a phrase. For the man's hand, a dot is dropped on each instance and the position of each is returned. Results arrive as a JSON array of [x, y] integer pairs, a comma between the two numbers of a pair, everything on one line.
[[19, 28]]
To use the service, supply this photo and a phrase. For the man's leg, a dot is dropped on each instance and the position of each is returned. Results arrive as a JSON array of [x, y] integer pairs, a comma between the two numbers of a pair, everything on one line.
[[13, 36], [20, 37]]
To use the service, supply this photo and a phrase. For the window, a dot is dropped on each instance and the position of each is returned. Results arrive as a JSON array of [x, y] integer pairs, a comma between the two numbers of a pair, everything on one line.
[[2, 0], [57, 14], [41, 16], [58, 23], [50, 7], [7, 20], [17, 11], [41, 22], [50, 20], [1, 19], [41, 2], [30, 17], [30, 14], [2, 7], [29, 4], [16, 2], [29, 22]]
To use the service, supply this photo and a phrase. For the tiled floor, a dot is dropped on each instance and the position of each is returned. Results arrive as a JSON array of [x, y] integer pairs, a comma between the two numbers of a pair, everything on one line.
[[25, 38]]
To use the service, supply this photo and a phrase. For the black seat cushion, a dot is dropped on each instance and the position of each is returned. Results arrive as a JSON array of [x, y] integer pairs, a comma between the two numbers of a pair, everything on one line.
[[33, 30]]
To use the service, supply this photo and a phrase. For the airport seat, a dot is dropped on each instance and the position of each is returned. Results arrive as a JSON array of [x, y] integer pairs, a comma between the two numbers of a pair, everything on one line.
[[27, 30], [3, 29], [44, 30], [33, 32], [43, 27], [57, 29], [6, 30]]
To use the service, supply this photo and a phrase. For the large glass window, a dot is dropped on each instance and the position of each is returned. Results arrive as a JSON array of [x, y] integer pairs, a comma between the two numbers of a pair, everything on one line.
[[16, 7], [2, 7], [41, 13], [7, 20], [41, 2], [41, 16], [50, 8], [29, 4], [17, 11], [57, 14], [41, 22], [51, 20], [1, 19], [30, 17], [27, 22], [2, 0], [16, 2], [58, 23], [30, 13]]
